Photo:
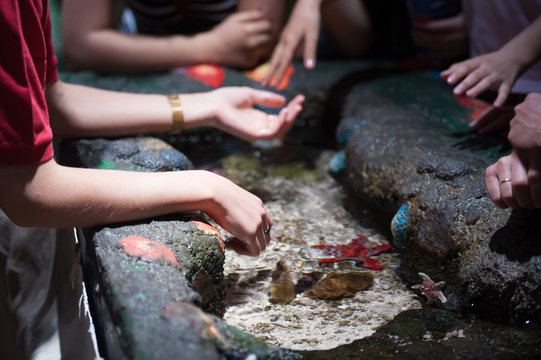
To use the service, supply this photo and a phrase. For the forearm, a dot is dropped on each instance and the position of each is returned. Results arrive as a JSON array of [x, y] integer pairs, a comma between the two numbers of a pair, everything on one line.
[[525, 48], [108, 50], [78, 111], [57, 196]]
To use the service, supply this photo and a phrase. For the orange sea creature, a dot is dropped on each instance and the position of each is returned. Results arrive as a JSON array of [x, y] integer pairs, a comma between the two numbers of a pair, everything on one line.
[[479, 106], [136, 245], [260, 72], [210, 74]]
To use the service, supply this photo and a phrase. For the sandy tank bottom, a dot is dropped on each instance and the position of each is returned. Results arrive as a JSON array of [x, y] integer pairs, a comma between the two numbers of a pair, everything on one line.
[[307, 213]]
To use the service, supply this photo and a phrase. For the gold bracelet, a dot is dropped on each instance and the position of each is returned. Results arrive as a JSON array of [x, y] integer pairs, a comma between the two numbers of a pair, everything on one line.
[[178, 115]]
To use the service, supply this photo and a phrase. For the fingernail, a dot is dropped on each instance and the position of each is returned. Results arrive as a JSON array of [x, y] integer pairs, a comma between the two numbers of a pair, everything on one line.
[[309, 63]]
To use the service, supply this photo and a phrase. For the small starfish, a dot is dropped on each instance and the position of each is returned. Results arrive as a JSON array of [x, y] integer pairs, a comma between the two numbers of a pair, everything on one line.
[[430, 289], [357, 250]]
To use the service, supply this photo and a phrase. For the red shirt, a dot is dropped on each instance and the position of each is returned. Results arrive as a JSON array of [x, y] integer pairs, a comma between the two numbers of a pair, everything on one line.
[[27, 63]]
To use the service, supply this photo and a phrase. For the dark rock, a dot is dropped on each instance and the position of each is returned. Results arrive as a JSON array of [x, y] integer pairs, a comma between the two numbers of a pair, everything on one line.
[[282, 288], [439, 334], [340, 285], [414, 158], [307, 281]]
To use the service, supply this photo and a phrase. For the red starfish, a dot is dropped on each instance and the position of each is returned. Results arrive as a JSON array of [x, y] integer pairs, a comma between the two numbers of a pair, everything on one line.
[[357, 250]]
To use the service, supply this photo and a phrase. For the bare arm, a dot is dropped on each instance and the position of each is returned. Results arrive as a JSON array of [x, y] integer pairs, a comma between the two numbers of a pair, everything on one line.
[[77, 110], [56, 196], [497, 70], [90, 42]]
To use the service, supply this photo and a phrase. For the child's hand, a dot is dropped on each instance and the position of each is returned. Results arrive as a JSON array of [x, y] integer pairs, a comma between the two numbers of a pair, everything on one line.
[[234, 112], [514, 180], [239, 40], [303, 26], [240, 213], [495, 70]]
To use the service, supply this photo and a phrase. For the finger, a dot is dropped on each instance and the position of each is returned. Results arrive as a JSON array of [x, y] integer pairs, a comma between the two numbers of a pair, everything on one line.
[[506, 186], [263, 234], [267, 98], [519, 181], [534, 177], [237, 246], [492, 185], [286, 55], [445, 73], [261, 237], [503, 92], [446, 25], [274, 63], [268, 221], [310, 49], [288, 115], [249, 15], [280, 70], [482, 85], [258, 40], [259, 27], [460, 70], [254, 247], [272, 127], [470, 80]]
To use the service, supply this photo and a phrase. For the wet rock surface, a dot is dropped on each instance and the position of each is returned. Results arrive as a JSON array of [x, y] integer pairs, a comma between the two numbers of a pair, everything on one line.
[[411, 155], [438, 334]]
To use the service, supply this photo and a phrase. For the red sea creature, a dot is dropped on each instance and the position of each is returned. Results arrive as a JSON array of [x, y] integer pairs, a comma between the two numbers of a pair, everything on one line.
[[210, 74], [260, 73], [358, 250], [479, 106], [140, 246]]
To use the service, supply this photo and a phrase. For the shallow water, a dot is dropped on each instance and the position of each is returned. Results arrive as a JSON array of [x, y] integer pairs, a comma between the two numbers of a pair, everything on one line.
[[306, 205]]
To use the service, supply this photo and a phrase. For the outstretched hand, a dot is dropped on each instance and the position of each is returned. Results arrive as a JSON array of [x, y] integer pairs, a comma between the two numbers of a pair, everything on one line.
[[302, 27], [235, 114], [495, 70], [239, 212], [515, 180]]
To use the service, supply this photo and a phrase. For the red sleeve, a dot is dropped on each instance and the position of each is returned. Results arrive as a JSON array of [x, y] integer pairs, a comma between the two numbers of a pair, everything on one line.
[[27, 63]]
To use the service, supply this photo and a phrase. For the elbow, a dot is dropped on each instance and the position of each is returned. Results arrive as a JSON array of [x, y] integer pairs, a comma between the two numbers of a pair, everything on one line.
[[73, 56], [18, 218], [78, 51], [21, 214]]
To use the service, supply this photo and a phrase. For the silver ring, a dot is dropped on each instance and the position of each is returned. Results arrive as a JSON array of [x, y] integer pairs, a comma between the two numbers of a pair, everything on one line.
[[267, 230], [505, 180]]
